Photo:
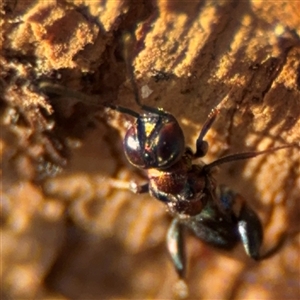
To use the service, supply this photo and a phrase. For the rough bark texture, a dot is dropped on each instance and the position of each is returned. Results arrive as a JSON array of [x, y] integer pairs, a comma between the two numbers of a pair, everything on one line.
[[68, 228]]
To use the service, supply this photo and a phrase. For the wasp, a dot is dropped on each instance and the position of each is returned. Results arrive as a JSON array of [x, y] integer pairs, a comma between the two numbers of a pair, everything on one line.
[[214, 213]]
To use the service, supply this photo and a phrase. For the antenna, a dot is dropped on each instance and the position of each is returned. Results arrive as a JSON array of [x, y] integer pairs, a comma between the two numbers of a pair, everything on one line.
[[128, 39], [241, 156], [51, 88]]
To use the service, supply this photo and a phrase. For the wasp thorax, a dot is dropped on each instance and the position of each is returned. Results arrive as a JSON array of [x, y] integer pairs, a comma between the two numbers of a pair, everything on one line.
[[154, 141]]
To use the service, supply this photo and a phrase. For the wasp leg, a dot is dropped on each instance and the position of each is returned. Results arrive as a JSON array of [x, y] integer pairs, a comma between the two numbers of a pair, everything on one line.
[[139, 189], [248, 225], [176, 248], [250, 231]]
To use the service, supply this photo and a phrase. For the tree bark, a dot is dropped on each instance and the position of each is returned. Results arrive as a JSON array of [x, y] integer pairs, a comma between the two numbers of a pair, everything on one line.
[[69, 227]]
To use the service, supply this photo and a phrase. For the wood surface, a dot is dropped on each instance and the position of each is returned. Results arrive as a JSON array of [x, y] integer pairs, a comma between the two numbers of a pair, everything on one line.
[[69, 227]]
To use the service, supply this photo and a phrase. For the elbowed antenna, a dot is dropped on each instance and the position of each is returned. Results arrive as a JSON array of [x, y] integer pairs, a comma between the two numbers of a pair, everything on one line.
[[93, 100], [57, 89], [124, 110], [241, 156], [52, 88], [128, 39]]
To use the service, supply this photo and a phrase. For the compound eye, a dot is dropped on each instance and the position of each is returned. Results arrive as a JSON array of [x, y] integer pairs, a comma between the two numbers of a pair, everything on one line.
[[154, 141], [170, 145], [132, 148]]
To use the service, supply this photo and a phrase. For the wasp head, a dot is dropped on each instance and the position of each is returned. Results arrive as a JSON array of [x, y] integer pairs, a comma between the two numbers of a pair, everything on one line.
[[155, 140]]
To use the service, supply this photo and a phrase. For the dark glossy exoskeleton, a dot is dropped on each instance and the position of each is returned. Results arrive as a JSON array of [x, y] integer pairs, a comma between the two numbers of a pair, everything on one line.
[[214, 213]]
